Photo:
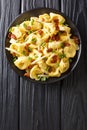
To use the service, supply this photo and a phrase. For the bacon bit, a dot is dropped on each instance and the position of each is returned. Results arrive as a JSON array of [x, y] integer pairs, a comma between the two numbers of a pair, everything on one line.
[[40, 51], [56, 24], [47, 40], [30, 66], [27, 75], [40, 32], [54, 59], [50, 69], [26, 46], [76, 39], [43, 19], [9, 35], [55, 38], [13, 36], [67, 44], [28, 27], [49, 50], [14, 54], [56, 21]]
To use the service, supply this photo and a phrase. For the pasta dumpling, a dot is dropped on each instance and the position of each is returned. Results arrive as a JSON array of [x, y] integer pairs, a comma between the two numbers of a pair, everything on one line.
[[22, 62], [64, 65]]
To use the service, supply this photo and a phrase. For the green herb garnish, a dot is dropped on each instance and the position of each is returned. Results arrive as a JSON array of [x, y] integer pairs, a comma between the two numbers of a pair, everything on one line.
[[32, 22], [66, 24], [57, 64], [43, 44], [70, 60], [62, 22], [34, 40], [62, 45], [62, 56], [48, 68], [24, 53], [30, 58], [36, 56], [50, 40], [10, 30], [53, 50], [17, 25], [43, 78], [14, 59], [24, 25], [29, 32], [29, 48]]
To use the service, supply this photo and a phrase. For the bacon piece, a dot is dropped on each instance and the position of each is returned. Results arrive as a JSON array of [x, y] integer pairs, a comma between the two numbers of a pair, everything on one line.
[[28, 27], [49, 50], [56, 24], [30, 66], [27, 75], [9, 35], [47, 40], [13, 36], [43, 19], [55, 38], [76, 39], [67, 44], [40, 32], [54, 59], [27, 46], [14, 54], [40, 51]]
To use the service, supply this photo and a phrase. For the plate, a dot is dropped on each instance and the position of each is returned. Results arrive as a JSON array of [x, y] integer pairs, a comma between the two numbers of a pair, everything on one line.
[[36, 12]]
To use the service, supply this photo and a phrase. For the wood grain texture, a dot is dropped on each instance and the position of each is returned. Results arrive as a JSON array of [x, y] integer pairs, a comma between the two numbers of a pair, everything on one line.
[[28, 106], [39, 104], [74, 88], [9, 81]]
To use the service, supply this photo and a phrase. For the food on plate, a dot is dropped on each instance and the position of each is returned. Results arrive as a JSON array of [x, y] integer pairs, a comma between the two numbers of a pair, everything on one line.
[[43, 46]]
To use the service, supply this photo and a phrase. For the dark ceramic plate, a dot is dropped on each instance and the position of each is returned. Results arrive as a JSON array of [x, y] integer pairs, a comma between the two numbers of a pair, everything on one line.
[[36, 12]]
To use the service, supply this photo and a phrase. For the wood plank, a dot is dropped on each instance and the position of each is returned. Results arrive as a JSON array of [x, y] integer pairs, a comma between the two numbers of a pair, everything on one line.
[[74, 88], [39, 104], [9, 81]]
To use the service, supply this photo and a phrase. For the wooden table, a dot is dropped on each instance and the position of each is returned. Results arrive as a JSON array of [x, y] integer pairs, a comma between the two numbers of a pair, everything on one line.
[[28, 106]]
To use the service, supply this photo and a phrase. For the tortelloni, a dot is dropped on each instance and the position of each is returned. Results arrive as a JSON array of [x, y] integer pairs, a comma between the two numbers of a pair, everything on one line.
[[43, 46]]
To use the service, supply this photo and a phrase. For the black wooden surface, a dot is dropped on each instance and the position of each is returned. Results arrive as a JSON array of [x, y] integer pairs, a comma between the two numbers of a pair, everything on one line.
[[28, 106]]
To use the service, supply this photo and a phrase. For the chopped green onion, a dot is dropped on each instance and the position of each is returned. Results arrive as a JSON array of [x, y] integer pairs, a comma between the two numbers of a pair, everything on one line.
[[48, 68], [43, 78], [66, 24], [50, 40], [62, 45], [29, 32], [32, 22], [62, 56], [24, 53], [43, 44], [10, 30], [57, 64], [14, 59], [70, 60], [24, 25], [30, 58], [62, 22], [29, 48], [17, 25], [53, 50], [34, 40], [36, 56]]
